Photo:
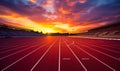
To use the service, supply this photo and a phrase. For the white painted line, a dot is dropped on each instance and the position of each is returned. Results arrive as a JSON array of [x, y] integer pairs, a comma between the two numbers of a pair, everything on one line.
[[59, 55], [14, 48], [22, 57], [76, 57], [17, 47], [72, 43], [3, 49], [105, 48], [42, 57], [66, 59], [106, 38], [95, 38], [84, 59], [95, 58], [102, 47], [102, 52], [110, 47], [17, 52]]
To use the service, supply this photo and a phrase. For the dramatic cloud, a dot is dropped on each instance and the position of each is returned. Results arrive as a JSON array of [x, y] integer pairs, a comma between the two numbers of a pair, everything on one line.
[[72, 16]]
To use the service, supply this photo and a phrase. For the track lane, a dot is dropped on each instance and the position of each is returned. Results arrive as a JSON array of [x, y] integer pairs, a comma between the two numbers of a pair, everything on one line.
[[13, 51], [13, 58], [67, 54], [108, 52], [91, 62], [6, 44], [69, 62], [49, 60], [114, 63]]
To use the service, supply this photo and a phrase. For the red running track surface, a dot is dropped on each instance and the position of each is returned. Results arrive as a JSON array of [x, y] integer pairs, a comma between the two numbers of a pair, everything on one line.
[[59, 53]]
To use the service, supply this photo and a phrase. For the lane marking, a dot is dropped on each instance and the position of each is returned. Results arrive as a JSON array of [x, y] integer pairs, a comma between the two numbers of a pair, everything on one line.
[[101, 52], [72, 43], [22, 57], [42, 57], [95, 58], [76, 56], [66, 59], [19, 47], [101, 45], [97, 38], [104, 48], [59, 55], [111, 46], [17, 52], [14, 48], [85, 59], [16, 45]]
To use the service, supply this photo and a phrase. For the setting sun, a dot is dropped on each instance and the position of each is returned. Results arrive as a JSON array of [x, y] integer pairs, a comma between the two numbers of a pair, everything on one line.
[[48, 30], [33, 1]]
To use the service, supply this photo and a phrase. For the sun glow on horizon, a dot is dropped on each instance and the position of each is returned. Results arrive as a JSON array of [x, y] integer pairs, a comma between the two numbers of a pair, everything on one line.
[[33, 1], [25, 23], [58, 16], [44, 27]]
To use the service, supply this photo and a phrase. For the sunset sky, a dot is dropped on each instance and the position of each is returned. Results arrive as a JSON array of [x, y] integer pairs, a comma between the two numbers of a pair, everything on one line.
[[51, 16]]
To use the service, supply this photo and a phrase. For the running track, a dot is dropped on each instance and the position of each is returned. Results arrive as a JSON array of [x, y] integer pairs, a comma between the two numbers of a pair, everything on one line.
[[59, 53]]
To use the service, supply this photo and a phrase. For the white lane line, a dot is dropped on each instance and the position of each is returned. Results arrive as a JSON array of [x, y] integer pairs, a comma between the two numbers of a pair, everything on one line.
[[66, 59], [59, 55], [14, 48], [76, 56], [106, 39], [95, 58], [72, 43], [97, 38], [18, 47], [17, 52], [111, 46], [101, 52], [4, 49], [22, 57], [42, 57], [104, 48]]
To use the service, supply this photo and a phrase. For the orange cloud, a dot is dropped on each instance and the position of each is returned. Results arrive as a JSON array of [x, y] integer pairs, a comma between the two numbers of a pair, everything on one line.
[[73, 2], [63, 11], [67, 27], [33, 1], [17, 20]]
